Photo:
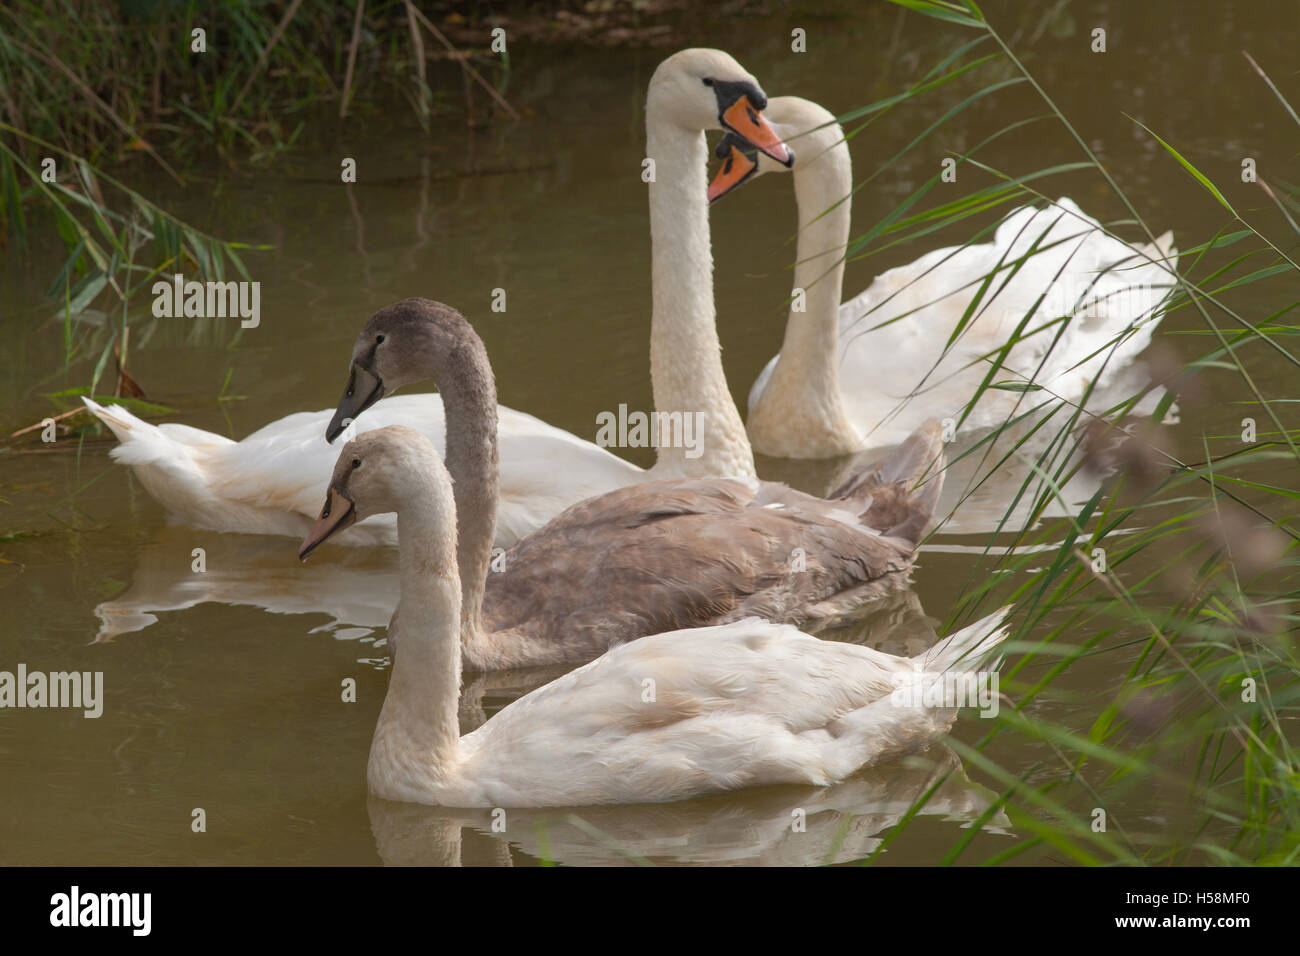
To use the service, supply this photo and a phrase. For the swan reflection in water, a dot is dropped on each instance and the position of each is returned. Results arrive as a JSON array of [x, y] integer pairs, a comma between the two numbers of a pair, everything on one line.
[[357, 588], [773, 826]]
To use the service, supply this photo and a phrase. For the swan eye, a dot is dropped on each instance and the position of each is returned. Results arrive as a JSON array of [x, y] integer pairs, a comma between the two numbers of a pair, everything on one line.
[[379, 339], [708, 81], [356, 463]]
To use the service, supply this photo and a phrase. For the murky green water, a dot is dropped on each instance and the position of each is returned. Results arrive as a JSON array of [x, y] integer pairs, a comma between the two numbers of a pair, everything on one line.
[[223, 689]]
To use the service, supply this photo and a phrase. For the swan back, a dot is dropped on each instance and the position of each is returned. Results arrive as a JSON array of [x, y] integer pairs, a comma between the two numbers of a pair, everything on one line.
[[690, 712], [1070, 268], [1050, 268], [693, 552]]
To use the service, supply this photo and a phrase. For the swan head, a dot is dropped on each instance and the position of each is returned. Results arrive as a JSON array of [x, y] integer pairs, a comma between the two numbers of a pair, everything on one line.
[[387, 469], [791, 117], [408, 341], [699, 89]]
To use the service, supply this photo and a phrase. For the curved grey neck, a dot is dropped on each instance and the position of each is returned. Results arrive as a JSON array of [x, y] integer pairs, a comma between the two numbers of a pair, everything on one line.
[[469, 401], [685, 355]]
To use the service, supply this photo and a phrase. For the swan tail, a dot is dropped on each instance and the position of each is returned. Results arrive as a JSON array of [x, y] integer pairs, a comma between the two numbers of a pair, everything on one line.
[[169, 463], [889, 727], [1157, 262], [898, 494], [1162, 250], [139, 442], [1139, 283], [124, 426], [969, 649]]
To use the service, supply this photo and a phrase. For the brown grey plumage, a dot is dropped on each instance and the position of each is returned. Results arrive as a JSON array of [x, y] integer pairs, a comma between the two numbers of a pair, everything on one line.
[[654, 557]]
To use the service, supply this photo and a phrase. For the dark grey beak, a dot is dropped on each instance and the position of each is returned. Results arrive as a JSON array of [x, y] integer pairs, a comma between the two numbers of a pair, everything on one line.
[[364, 389]]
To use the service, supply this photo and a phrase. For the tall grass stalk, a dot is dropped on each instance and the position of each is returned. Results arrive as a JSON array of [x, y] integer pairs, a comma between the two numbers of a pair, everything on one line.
[[1192, 615]]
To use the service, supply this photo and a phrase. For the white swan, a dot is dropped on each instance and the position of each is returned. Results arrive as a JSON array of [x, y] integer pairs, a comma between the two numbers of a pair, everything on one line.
[[272, 481], [663, 718], [844, 380]]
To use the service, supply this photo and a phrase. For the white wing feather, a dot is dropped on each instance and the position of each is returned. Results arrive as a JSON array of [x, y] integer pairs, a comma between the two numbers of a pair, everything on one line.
[[1111, 293]]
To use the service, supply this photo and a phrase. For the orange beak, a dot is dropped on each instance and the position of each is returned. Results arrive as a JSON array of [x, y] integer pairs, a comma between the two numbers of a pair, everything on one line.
[[735, 169], [748, 123]]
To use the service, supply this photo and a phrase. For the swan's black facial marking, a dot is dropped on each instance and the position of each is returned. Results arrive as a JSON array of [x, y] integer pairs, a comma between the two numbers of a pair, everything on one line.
[[730, 141], [729, 91], [739, 165]]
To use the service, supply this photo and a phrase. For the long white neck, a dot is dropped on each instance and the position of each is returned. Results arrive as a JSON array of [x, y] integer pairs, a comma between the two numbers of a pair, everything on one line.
[[417, 739], [801, 412], [685, 354]]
